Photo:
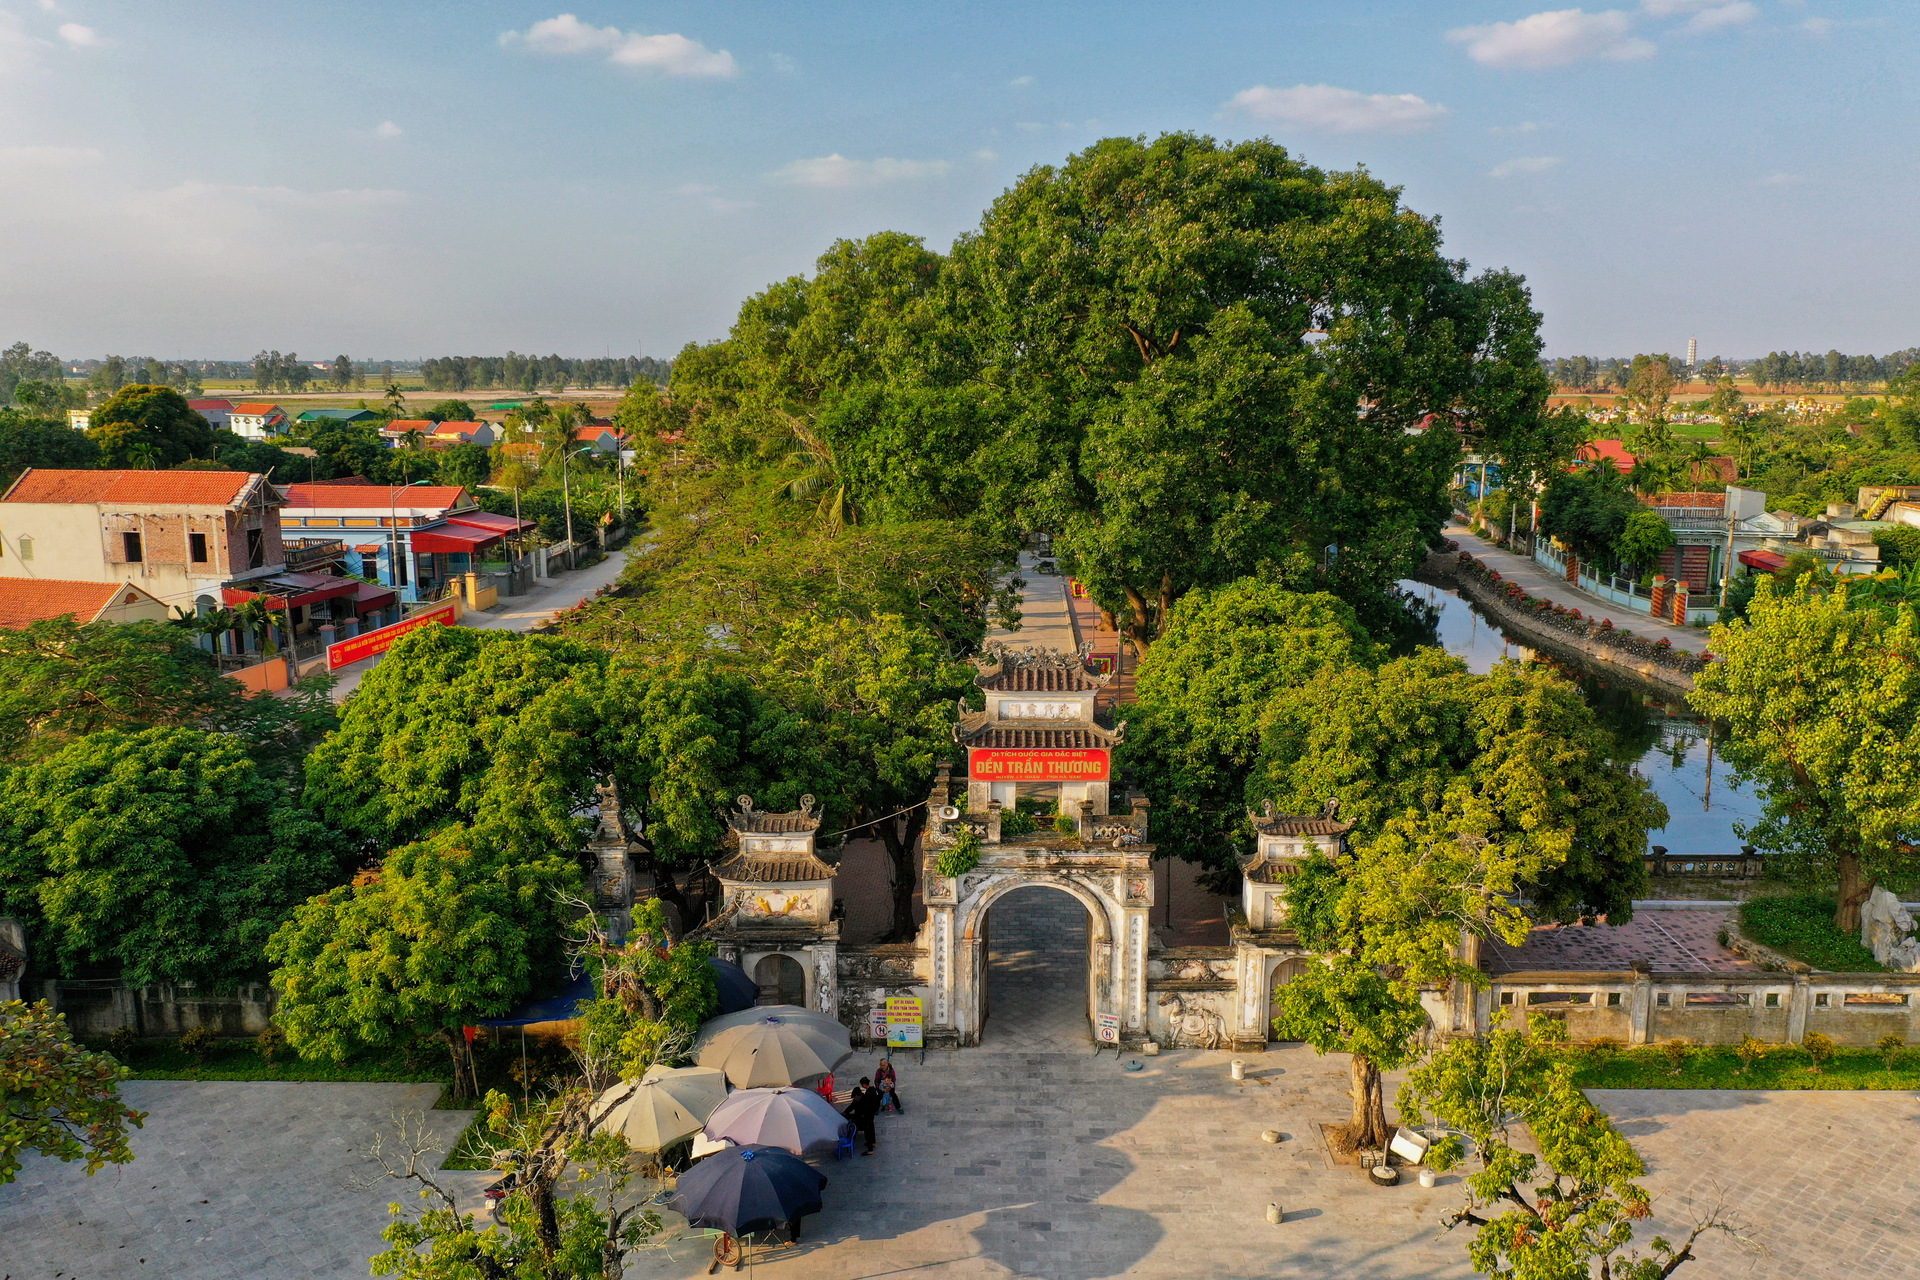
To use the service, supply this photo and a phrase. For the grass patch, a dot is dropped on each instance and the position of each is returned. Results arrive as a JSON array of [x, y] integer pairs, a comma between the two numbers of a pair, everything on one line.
[[1781, 1066], [1800, 925], [242, 1060]]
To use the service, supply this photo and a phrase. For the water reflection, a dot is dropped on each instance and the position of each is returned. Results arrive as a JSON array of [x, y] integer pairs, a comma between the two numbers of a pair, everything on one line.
[[1665, 737]]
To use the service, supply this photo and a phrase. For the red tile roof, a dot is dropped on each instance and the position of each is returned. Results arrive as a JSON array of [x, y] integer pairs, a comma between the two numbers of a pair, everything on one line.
[[595, 432], [25, 601], [257, 407], [463, 428], [200, 405], [1612, 450], [417, 497], [399, 425], [153, 488]]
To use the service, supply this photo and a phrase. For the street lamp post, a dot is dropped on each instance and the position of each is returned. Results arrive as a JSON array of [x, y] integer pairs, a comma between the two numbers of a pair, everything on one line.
[[393, 531]]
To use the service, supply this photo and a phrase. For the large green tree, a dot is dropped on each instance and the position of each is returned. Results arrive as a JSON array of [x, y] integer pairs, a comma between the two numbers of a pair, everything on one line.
[[1205, 359], [145, 426], [441, 934], [1518, 746], [1821, 704], [28, 440], [167, 854], [1194, 730]]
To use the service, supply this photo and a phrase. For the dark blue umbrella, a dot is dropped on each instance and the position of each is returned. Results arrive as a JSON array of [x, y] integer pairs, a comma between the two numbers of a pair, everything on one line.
[[737, 990], [746, 1189], [560, 1006]]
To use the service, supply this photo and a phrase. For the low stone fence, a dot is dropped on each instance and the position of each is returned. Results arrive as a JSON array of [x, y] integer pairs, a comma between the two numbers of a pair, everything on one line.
[[1640, 1007], [96, 1009]]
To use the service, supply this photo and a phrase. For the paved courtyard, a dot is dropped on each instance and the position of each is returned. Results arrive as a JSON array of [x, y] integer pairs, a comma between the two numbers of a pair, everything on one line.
[[230, 1181], [1027, 1157]]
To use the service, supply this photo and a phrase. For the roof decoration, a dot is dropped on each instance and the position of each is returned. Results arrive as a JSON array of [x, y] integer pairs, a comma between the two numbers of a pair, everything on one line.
[[774, 847], [1325, 828]]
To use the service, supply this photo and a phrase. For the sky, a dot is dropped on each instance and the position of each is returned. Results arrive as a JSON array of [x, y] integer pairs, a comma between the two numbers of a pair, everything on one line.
[[205, 179]]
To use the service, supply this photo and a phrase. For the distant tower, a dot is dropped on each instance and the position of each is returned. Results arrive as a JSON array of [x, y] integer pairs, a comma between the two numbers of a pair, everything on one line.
[[1693, 353]]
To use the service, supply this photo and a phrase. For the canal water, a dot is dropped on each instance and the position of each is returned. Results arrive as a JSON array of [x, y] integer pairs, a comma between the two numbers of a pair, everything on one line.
[[1666, 739]]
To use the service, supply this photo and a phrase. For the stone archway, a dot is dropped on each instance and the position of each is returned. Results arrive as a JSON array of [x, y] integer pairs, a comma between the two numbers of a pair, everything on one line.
[[1115, 976], [781, 979]]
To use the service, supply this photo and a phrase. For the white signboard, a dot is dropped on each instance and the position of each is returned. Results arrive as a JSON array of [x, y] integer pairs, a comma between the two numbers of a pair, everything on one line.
[[1106, 1028]]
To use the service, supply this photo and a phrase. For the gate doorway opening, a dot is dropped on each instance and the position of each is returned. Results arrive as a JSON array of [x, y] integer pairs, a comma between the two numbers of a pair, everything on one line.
[[781, 979], [1038, 993]]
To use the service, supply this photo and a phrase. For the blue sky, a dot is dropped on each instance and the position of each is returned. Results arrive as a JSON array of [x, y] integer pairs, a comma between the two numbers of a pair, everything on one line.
[[202, 178]]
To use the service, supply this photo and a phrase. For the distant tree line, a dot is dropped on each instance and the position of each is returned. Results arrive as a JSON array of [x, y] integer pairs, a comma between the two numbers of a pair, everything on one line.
[[1780, 369], [1833, 370], [21, 363], [530, 373]]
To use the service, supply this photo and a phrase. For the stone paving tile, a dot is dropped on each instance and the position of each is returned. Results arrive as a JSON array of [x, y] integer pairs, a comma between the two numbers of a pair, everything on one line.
[[240, 1180], [1671, 940]]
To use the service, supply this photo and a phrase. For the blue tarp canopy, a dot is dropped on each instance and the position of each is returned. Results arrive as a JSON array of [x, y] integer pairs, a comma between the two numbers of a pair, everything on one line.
[[558, 1007]]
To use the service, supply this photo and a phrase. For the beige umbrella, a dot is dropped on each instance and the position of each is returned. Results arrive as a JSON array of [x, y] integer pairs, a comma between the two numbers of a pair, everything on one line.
[[773, 1051], [698, 1089], [666, 1106], [747, 1017]]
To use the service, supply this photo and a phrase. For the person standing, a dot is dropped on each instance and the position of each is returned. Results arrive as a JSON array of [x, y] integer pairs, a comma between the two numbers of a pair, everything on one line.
[[862, 1107], [888, 1087]]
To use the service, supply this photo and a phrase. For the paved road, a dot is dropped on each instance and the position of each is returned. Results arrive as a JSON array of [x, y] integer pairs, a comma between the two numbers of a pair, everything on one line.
[[1536, 580], [516, 613]]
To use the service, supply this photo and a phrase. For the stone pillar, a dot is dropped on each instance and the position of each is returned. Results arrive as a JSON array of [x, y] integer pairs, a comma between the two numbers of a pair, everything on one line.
[[327, 635], [1680, 603], [1660, 589], [1249, 1030], [1801, 1001], [473, 589], [1642, 1012], [993, 822], [826, 986], [1130, 973]]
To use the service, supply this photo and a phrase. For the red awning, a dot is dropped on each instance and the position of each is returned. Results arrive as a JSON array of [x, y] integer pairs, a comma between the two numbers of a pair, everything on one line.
[[454, 537], [371, 596], [488, 520], [1765, 561], [291, 590]]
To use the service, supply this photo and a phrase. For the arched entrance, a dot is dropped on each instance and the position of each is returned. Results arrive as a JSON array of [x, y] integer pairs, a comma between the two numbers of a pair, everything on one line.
[[1037, 988], [781, 979]]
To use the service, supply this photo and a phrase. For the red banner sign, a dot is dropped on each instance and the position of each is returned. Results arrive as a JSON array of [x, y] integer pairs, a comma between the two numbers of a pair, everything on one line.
[[1016, 764], [374, 643]]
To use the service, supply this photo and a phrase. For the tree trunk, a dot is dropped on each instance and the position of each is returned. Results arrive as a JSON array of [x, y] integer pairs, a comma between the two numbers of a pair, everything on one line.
[[1367, 1127], [1854, 888], [902, 853], [546, 1221]]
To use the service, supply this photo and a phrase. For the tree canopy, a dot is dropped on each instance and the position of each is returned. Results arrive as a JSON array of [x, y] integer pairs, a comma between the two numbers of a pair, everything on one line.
[[145, 426], [166, 853], [1821, 703]]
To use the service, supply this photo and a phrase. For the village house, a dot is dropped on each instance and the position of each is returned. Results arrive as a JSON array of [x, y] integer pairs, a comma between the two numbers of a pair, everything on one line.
[[25, 601], [314, 417], [604, 437], [218, 413], [256, 420], [414, 539], [436, 435], [180, 536]]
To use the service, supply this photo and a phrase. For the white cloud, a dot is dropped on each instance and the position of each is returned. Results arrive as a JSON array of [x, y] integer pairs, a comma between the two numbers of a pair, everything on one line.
[[783, 64], [838, 171], [1508, 130], [78, 36], [387, 129], [1019, 82], [1817, 26], [1328, 109], [1722, 16], [1524, 164], [709, 197], [673, 54], [1553, 39], [985, 156]]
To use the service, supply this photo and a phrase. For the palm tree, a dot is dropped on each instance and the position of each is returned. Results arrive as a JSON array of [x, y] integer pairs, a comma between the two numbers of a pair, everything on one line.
[[819, 477]]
